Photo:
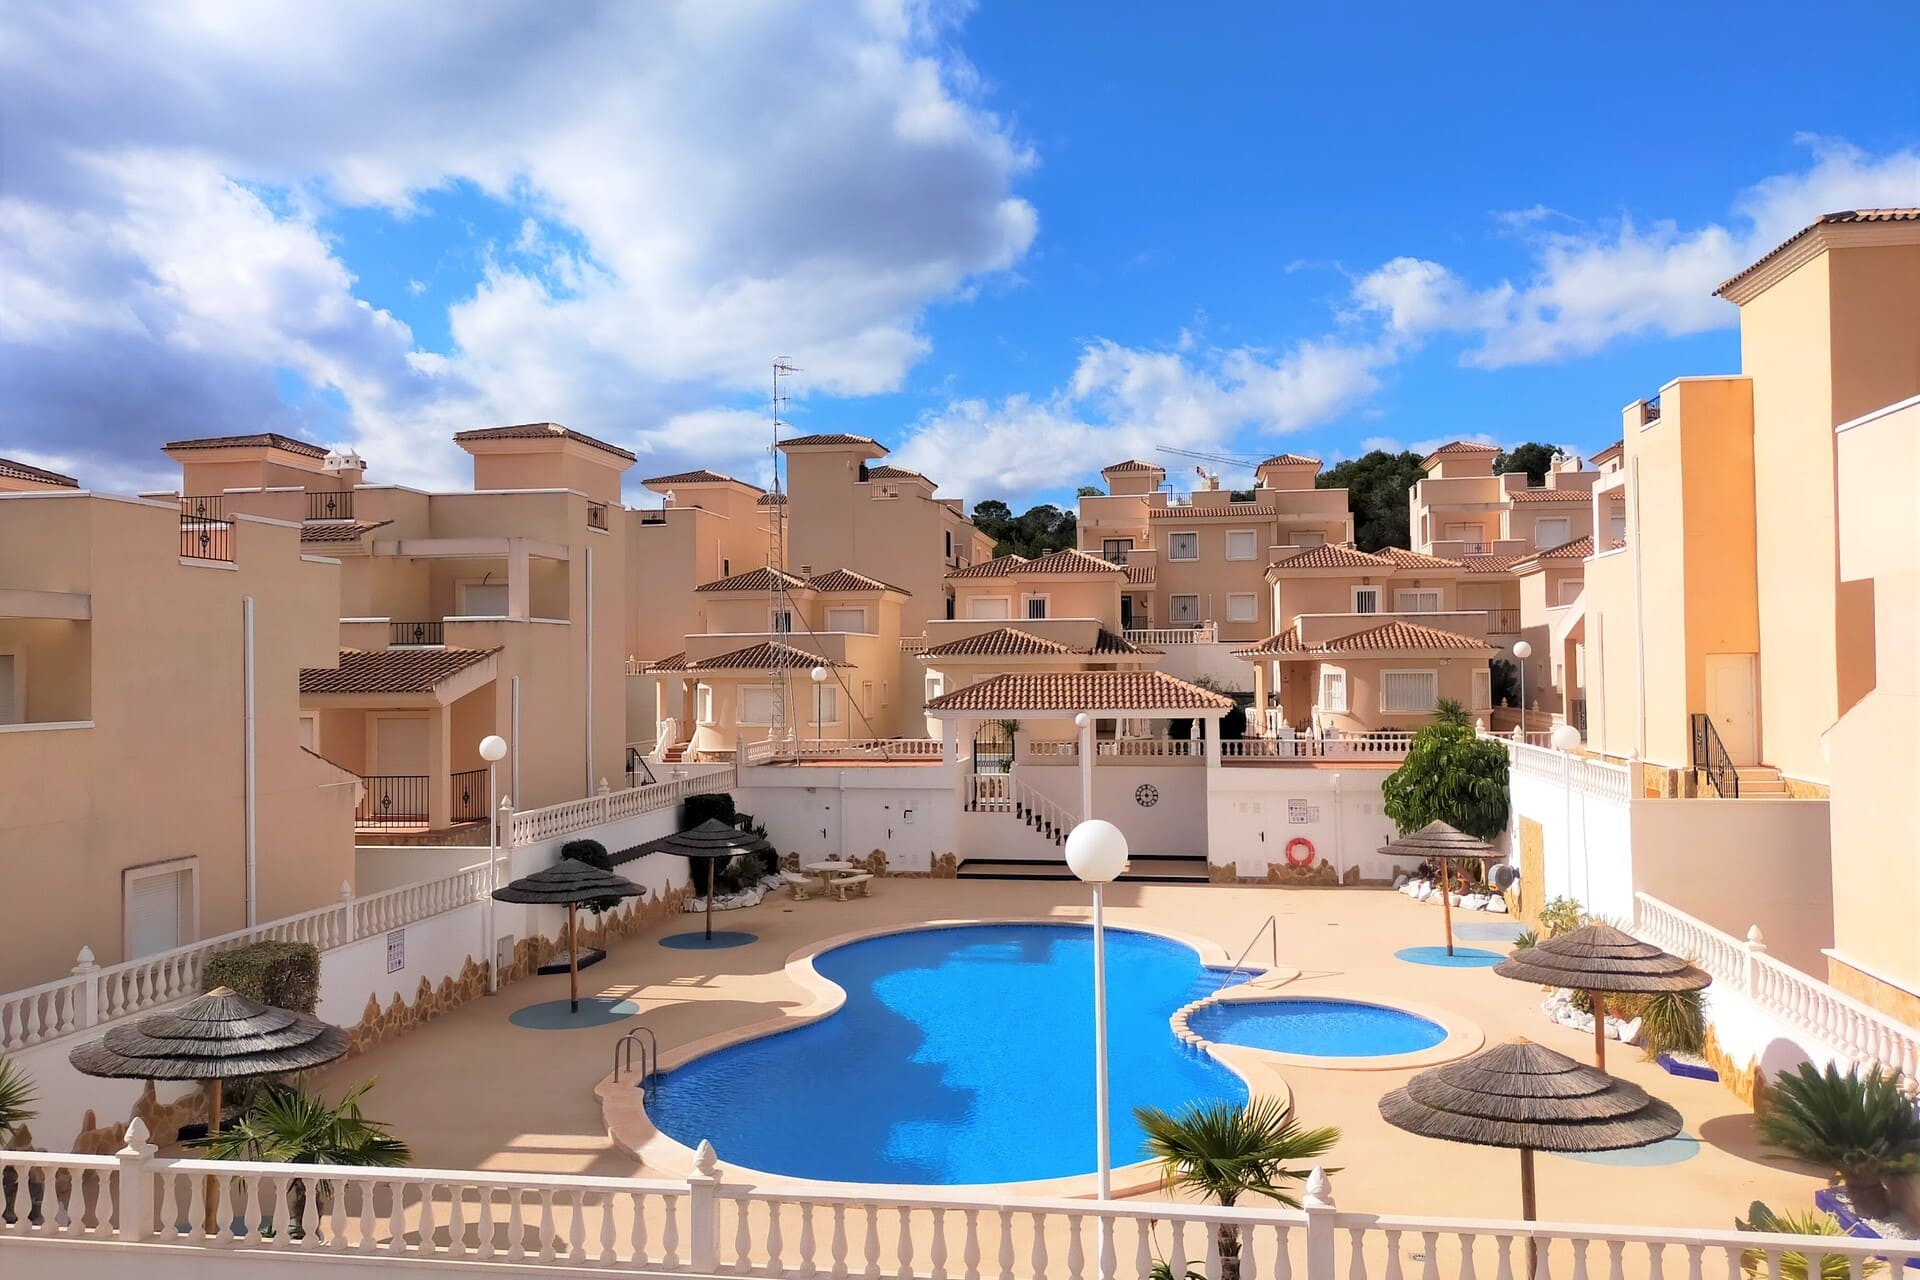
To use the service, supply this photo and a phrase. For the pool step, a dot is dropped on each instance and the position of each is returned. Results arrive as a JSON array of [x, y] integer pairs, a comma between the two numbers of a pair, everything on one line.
[[1187, 869]]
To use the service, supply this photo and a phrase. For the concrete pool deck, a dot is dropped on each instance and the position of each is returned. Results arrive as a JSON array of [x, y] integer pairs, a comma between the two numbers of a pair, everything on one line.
[[473, 1091]]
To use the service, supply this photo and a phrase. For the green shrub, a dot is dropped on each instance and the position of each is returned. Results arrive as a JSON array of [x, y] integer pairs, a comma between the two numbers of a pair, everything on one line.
[[1524, 939], [1793, 1266], [1562, 915], [1233, 725], [285, 975], [1671, 1022], [594, 854], [1451, 775], [1862, 1127], [707, 804]]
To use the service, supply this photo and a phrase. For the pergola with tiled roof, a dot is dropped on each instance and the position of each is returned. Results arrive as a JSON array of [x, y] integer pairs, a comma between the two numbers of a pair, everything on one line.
[[256, 440], [1543, 494], [539, 431], [1230, 511], [1053, 563], [336, 531], [772, 500], [833, 440], [843, 581], [768, 655], [700, 476], [897, 473], [1456, 447], [1132, 466], [1001, 642], [11, 470], [1102, 694], [1289, 460], [1332, 555], [405, 672], [672, 664], [755, 580], [1387, 637], [1405, 559]]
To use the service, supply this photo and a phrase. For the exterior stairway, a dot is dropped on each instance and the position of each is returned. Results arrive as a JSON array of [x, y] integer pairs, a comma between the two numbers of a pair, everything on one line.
[[1761, 782]]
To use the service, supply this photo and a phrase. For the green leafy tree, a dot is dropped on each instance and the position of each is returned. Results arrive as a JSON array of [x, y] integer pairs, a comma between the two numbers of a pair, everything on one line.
[[1451, 775], [1090, 491], [16, 1099], [285, 1125], [1377, 484], [1862, 1127], [1222, 1151], [1534, 458], [1039, 530]]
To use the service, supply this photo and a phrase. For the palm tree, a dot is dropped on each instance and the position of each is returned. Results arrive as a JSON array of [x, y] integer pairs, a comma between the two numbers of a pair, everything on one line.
[[284, 1125], [1223, 1151], [1865, 1128], [16, 1099]]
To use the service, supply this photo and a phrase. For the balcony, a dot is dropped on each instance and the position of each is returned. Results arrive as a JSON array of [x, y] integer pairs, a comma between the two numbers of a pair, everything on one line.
[[390, 802], [423, 635], [206, 530], [597, 516], [1503, 622], [329, 504]]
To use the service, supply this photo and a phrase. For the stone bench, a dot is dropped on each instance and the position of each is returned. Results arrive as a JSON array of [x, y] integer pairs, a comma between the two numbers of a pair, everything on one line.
[[845, 885]]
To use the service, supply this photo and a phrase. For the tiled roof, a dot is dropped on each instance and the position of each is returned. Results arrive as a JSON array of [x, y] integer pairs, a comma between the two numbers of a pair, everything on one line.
[[831, 437], [1609, 453], [772, 500], [1231, 511], [1111, 642], [1001, 642], [1131, 466], [1824, 220], [1531, 494], [1287, 641], [1490, 564], [1290, 460], [1054, 562], [1458, 446], [1399, 636], [26, 471], [672, 662], [753, 580], [258, 440], [338, 530], [1135, 691], [1578, 549], [848, 580], [391, 670], [540, 431], [998, 567], [768, 655], [894, 473], [1333, 555], [1405, 559], [1140, 575], [701, 476]]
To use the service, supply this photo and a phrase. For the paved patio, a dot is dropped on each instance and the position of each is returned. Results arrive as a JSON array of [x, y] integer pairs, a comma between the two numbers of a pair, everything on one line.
[[475, 1091]]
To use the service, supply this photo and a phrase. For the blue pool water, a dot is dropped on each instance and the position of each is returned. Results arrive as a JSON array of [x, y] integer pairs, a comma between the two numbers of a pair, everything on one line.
[[962, 1055], [1322, 1028]]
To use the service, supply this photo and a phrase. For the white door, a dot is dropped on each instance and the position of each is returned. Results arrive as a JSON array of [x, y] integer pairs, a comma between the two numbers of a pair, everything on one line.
[[483, 599], [1730, 704], [400, 746], [158, 910]]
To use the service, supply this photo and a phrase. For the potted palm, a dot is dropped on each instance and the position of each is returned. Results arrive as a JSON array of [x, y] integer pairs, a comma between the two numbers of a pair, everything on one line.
[[1793, 1264], [1862, 1127], [1222, 1151]]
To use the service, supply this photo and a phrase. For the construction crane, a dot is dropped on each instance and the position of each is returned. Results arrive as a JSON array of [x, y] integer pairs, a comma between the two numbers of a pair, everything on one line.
[[1219, 459]]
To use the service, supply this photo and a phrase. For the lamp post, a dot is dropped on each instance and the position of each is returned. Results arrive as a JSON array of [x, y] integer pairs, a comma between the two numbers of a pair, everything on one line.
[[493, 749], [1522, 650], [1566, 739], [1097, 854], [819, 677], [1084, 723]]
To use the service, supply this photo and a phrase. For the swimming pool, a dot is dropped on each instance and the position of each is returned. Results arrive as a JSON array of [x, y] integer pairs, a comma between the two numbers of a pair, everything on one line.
[[1317, 1028], [962, 1055]]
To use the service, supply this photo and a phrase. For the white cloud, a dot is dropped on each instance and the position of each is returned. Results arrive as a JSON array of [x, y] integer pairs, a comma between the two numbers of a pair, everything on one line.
[[704, 186], [1587, 288]]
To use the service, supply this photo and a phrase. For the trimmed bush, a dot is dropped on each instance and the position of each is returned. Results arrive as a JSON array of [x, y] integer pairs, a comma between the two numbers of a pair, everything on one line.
[[285, 975], [705, 805], [1233, 725], [594, 854]]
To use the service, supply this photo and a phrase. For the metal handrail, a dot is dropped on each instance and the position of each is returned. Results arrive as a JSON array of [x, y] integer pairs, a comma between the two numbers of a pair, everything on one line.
[[1710, 756], [1272, 929], [649, 1057]]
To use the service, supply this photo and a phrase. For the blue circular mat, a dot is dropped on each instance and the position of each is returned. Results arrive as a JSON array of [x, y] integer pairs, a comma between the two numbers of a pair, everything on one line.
[[1462, 957], [700, 942], [557, 1015], [1675, 1150]]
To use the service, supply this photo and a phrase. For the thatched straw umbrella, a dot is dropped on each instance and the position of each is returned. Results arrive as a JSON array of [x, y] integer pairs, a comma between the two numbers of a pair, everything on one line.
[[1526, 1096], [715, 841], [1599, 958], [1449, 844], [570, 884]]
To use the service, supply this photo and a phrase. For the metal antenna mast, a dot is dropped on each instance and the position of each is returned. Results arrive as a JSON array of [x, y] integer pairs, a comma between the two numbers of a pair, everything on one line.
[[782, 674]]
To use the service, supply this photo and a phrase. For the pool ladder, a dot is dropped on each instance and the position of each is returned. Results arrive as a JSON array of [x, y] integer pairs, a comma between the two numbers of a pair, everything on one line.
[[1271, 929], [649, 1046]]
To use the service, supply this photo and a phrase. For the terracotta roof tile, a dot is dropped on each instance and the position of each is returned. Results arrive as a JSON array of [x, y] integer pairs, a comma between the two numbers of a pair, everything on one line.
[[772, 500], [406, 670], [1333, 555], [1112, 642], [768, 655], [828, 438], [1458, 446], [27, 471], [1290, 460], [1399, 636], [753, 580], [1134, 691], [1405, 559], [257, 440], [1287, 641], [1490, 564], [1578, 549], [701, 476], [1824, 220], [672, 662], [1132, 466], [1054, 562], [540, 431], [848, 580], [1231, 511], [338, 530], [1001, 642], [1543, 494], [1140, 575], [894, 473], [998, 567], [1609, 453]]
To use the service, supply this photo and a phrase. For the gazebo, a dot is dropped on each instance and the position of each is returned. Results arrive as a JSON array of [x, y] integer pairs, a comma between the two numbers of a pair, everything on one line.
[[1598, 959], [1525, 1096], [1449, 844], [570, 884], [716, 842]]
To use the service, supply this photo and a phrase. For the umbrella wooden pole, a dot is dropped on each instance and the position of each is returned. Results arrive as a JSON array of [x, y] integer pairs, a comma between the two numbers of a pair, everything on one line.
[[1446, 901], [212, 1189], [573, 956], [711, 866], [1599, 1002], [1528, 1209]]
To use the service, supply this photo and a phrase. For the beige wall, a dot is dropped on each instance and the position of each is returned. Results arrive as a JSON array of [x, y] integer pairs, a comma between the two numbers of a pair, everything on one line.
[[1300, 688], [159, 774], [1067, 596]]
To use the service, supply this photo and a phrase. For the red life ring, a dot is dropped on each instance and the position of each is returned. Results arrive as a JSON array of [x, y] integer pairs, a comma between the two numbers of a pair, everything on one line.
[[1303, 843]]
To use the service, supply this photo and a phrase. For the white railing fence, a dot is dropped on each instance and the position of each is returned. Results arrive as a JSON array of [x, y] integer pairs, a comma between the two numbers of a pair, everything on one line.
[[1117, 749], [704, 1225], [1600, 778], [770, 752], [530, 826], [94, 994], [1155, 637], [1853, 1031], [1383, 745]]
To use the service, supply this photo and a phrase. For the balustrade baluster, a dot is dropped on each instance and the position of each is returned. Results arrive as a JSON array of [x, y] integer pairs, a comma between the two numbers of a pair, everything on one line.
[[903, 1247], [1006, 1247], [839, 1239], [1356, 1254], [870, 1249], [742, 1241], [806, 1238], [1040, 1248], [937, 1247], [1076, 1258], [1430, 1259]]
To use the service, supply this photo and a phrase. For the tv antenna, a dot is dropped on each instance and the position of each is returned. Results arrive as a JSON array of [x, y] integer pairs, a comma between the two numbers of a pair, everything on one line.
[[781, 673]]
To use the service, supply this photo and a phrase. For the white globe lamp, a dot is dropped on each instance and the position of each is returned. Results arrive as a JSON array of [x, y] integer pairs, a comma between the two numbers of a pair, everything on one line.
[[493, 749], [1096, 851], [1565, 738], [1522, 650], [819, 677], [1097, 854]]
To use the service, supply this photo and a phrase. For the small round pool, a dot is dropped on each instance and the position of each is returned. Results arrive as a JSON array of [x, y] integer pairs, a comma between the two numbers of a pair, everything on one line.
[[1317, 1028]]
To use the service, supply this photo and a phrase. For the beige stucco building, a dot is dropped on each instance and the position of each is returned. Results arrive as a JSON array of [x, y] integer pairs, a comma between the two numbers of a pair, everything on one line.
[[1461, 508], [142, 806]]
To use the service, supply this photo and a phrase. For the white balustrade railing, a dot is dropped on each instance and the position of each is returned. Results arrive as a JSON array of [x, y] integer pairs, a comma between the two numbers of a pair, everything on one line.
[[1155, 637], [1851, 1030], [534, 825], [1118, 749], [1005, 793], [96, 995], [869, 749], [1383, 745], [1595, 777], [704, 1225]]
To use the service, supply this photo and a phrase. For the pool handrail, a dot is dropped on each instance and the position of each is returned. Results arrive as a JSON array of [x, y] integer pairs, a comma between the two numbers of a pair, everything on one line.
[[1272, 930], [649, 1044]]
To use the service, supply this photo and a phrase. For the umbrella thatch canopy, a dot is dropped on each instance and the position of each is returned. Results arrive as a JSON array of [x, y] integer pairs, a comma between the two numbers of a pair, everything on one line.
[[569, 883], [715, 841], [221, 1035], [1526, 1096], [1599, 958], [1448, 844]]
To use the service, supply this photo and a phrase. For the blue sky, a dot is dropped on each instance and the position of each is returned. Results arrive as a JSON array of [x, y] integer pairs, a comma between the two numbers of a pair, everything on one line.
[[1014, 242]]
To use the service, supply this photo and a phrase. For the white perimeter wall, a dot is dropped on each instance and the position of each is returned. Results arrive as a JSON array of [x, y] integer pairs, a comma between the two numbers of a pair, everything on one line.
[[906, 810], [1586, 843], [1174, 823], [1249, 819]]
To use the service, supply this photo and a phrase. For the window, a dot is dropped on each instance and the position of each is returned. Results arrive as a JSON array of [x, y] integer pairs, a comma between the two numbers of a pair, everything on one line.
[[886, 694], [1482, 691], [1408, 692], [847, 619], [1307, 538], [1423, 601], [1242, 544], [1569, 590], [1115, 550], [780, 621], [988, 607], [826, 703], [1185, 610], [1183, 546], [726, 567], [1036, 606], [703, 703], [949, 544], [161, 907], [1333, 689], [1616, 529], [1550, 532], [936, 685], [756, 704], [1366, 599], [866, 697], [1241, 608]]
